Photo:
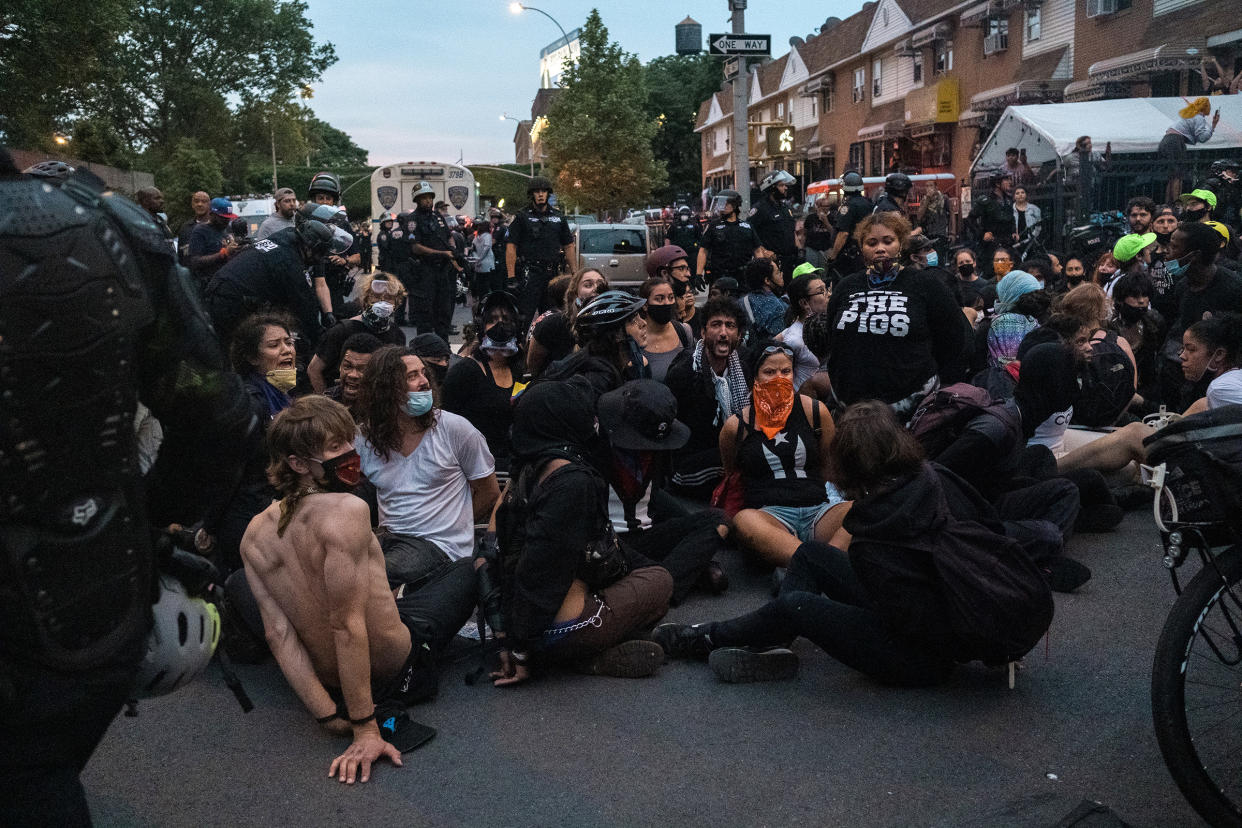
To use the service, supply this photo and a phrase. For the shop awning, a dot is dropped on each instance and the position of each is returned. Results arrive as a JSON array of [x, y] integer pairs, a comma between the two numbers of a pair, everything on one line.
[[1027, 91], [975, 15], [1164, 58], [875, 132], [973, 118]]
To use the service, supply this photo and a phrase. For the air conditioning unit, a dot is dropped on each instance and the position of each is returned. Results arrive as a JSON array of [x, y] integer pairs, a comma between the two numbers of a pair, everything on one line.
[[998, 42], [1099, 8], [904, 49]]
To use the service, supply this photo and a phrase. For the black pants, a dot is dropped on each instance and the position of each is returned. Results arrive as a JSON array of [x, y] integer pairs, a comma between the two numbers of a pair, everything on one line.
[[822, 599], [538, 274], [432, 294], [50, 724], [683, 545]]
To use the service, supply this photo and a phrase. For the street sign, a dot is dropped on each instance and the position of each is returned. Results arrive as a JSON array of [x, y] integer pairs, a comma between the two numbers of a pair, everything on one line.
[[731, 68], [740, 44], [780, 141]]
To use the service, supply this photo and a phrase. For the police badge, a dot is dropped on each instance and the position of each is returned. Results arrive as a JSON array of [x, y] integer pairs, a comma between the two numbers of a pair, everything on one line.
[[387, 196], [457, 196]]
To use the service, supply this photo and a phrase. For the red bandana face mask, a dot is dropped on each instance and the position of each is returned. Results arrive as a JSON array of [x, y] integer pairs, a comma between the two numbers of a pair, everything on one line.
[[774, 400]]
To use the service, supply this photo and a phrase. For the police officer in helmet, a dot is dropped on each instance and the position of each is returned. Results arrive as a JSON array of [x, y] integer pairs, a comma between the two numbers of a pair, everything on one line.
[[539, 240], [845, 256], [686, 234], [383, 240], [896, 193], [401, 257], [992, 218], [78, 565], [325, 189], [728, 242], [433, 290], [774, 221]]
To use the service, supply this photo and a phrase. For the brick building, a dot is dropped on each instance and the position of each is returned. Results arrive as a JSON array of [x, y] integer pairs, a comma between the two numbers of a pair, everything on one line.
[[917, 84]]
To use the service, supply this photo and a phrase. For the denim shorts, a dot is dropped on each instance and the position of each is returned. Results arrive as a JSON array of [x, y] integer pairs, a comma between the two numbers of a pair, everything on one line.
[[801, 520]]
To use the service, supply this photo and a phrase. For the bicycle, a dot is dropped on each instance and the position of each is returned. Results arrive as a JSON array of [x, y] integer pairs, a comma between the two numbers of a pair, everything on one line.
[[1196, 685]]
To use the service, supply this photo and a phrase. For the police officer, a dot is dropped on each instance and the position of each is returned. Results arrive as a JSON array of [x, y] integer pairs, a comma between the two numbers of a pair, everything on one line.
[[435, 268], [539, 238], [1228, 191], [272, 273], [383, 240], [774, 221], [896, 192], [993, 220], [77, 561], [325, 189], [728, 243], [686, 234], [365, 248], [500, 237], [401, 260], [846, 256]]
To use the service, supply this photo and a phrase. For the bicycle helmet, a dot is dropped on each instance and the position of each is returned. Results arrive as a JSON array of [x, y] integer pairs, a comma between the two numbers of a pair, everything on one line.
[[852, 182], [53, 172], [608, 310], [776, 177], [539, 183], [898, 183], [181, 642], [324, 182], [662, 257]]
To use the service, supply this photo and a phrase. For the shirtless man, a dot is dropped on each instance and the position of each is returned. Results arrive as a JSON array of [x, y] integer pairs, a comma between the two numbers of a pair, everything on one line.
[[346, 647]]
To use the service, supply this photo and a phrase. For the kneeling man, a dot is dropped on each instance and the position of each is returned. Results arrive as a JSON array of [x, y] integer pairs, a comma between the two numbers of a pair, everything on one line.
[[351, 652]]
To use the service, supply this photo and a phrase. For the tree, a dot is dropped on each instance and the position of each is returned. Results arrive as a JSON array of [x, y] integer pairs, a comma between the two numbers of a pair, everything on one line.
[[676, 84], [189, 168], [504, 186], [598, 136]]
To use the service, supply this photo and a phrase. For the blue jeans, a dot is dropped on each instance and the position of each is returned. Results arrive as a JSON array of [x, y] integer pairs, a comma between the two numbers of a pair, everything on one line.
[[822, 599]]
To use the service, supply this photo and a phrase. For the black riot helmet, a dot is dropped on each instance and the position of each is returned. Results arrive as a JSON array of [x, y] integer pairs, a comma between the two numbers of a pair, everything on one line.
[[731, 197], [852, 182], [539, 183], [316, 236], [897, 184], [325, 182]]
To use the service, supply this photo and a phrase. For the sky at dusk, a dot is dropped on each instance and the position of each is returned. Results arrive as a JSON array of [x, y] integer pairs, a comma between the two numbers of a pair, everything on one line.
[[428, 81]]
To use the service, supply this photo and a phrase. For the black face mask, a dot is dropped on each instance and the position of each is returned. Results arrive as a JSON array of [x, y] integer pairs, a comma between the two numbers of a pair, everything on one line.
[[1075, 280], [1130, 314], [1194, 215], [341, 474], [966, 270], [661, 314], [501, 332], [1163, 238]]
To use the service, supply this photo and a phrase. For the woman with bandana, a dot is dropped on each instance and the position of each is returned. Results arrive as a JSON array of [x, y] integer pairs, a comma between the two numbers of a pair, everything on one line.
[[779, 444], [381, 295], [894, 328], [483, 386]]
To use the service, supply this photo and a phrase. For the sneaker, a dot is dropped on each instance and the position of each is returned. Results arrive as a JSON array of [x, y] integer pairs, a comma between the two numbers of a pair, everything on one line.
[[1065, 574], [1101, 517], [682, 641], [629, 659], [1133, 496], [739, 665]]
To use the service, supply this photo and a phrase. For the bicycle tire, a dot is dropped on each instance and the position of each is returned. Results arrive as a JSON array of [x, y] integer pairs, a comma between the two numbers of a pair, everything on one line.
[[1195, 698]]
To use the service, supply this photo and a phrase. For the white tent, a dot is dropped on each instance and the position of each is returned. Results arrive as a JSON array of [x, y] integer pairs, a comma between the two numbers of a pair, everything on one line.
[[1048, 131]]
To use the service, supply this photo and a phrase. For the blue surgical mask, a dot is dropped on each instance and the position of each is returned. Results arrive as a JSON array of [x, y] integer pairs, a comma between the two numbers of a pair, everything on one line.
[[933, 259], [1174, 267], [417, 403]]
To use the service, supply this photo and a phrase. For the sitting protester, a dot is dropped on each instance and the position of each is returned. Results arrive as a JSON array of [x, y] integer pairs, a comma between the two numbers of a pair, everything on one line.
[[1143, 328], [561, 606], [765, 310], [1109, 375], [355, 354], [711, 383], [381, 295], [611, 334], [552, 333], [354, 656], [433, 475], [1020, 307], [808, 294], [435, 354], [667, 336], [779, 446], [817, 336]]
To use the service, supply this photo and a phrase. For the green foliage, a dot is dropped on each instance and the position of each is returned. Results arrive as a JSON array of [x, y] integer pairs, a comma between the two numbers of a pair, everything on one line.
[[598, 136], [498, 185], [676, 84], [98, 141], [189, 168]]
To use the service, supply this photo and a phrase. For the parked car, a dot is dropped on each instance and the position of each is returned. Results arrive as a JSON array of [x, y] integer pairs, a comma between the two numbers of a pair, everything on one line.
[[619, 251]]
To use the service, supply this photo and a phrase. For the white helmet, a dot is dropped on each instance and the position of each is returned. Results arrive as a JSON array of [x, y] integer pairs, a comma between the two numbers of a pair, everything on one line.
[[777, 177], [423, 189], [181, 642]]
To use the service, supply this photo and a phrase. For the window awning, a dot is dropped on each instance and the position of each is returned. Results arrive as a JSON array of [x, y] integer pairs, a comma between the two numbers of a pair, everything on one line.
[[941, 31], [1162, 58], [973, 118], [714, 170], [976, 14], [1027, 91], [821, 152], [875, 132], [1090, 90]]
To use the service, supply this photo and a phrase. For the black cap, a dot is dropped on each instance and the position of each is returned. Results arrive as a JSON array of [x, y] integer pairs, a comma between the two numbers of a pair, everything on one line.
[[430, 345], [642, 414], [727, 284]]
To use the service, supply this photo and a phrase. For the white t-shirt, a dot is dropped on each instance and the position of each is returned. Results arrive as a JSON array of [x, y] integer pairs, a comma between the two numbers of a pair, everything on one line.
[[427, 494], [1051, 432], [1225, 389], [805, 362]]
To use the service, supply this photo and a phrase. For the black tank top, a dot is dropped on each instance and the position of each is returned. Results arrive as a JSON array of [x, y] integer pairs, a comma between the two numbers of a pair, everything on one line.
[[783, 471]]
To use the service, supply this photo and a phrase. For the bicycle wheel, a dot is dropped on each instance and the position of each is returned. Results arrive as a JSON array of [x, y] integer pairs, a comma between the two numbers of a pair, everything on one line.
[[1196, 691]]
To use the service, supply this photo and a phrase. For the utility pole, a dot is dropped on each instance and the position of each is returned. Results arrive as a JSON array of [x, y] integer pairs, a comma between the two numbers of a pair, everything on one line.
[[741, 91], [272, 129]]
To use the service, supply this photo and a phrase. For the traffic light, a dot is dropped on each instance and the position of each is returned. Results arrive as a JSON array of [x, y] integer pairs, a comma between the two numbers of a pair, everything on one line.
[[780, 141]]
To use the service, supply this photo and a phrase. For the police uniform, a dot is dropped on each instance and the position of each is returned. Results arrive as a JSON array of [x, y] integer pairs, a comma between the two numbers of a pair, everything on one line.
[[992, 215], [856, 208], [77, 563], [729, 245], [272, 274], [774, 224], [337, 277], [687, 235], [434, 287], [401, 264], [363, 240], [383, 239], [885, 204], [540, 237]]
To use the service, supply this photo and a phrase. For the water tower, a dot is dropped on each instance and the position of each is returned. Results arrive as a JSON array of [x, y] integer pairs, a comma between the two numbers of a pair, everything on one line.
[[689, 37]]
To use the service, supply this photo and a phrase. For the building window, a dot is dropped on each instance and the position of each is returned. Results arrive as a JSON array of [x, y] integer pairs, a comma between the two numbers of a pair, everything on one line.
[[999, 26], [860, 84], [877, 78], [918, 66], [814, 107], [944, 57], [856, 156], [780, 110], [828, 98], [1034, 22], [878, 159], [709, 140]]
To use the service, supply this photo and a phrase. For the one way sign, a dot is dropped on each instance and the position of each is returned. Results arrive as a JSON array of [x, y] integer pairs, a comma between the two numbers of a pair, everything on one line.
[[751, 45]]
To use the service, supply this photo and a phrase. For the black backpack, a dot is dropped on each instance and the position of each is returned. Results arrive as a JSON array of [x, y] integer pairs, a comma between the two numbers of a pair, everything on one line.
[[1107, 384], [943, 415], [1202, 454]]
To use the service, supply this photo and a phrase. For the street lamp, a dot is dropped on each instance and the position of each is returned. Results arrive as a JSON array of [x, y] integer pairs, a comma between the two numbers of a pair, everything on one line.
[[507, 117], [518, 8], [60, 140]]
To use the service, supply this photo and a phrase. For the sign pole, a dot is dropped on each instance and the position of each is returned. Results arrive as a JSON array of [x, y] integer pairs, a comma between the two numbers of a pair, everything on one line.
[[741, 139]]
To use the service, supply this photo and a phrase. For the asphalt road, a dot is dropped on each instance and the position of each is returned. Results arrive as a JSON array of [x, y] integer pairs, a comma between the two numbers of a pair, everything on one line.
[[680, 748]]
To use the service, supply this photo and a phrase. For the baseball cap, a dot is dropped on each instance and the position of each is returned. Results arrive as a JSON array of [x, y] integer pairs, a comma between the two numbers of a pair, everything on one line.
[[221, 206], [284, 192], [1129, 246], [430, 345], [1206, 196], [1219, 228], [642, 415], [807, 269]]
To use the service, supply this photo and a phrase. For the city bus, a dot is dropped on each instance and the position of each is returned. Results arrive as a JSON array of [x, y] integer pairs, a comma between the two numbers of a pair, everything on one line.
[[393, 186]]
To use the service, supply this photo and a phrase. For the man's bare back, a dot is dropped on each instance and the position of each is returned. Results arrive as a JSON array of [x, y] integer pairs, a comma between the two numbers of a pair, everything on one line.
[[327, 544]]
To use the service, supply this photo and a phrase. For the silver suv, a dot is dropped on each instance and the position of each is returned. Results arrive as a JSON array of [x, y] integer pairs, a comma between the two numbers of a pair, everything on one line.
[[619, 251]]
